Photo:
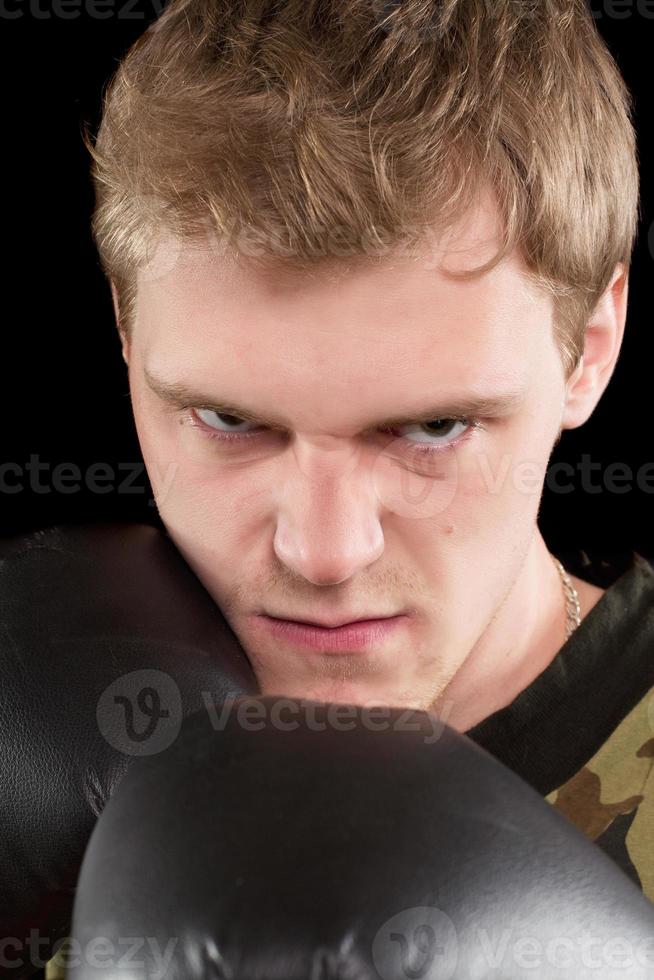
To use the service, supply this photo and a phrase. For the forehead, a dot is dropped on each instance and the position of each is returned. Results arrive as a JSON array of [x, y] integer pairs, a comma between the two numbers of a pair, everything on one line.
[[403, 317]]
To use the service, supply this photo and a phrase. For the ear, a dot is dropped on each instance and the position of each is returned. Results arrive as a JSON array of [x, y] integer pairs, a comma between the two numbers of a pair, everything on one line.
[[123, 338], [603, 340]]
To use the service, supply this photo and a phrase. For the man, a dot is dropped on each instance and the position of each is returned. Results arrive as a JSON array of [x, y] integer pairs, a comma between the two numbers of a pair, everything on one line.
[[368, 262]]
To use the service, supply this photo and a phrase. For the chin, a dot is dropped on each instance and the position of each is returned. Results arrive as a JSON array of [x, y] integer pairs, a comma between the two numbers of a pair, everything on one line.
[[359, 693]]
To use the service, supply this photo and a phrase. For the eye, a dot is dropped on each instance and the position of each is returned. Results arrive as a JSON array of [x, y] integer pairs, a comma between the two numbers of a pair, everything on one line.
[[439, 430], [418, 437], [223, 424], [436, 435]]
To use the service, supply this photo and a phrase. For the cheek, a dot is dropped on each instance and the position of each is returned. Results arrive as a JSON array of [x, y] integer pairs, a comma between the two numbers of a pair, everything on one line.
[[224, 511], [187, 473], [499, 487], [217, 514], [218, 524]]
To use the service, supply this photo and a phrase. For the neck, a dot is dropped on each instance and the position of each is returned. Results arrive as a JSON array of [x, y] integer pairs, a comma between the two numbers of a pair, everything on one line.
[[522, 639]]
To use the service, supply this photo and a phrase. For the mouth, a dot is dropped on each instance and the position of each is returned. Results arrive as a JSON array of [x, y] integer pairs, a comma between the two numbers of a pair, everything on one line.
[[334, 623], [350, 637]]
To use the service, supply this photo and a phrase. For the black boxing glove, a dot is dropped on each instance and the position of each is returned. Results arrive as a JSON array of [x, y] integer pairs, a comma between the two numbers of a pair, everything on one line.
[[107, 642], [301, 841]]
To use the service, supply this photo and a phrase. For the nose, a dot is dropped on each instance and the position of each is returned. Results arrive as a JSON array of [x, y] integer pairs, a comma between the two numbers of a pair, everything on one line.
[[328, 524]]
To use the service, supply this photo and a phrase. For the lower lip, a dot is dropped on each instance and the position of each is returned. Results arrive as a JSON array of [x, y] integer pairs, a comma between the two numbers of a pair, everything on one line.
[[350, 638]]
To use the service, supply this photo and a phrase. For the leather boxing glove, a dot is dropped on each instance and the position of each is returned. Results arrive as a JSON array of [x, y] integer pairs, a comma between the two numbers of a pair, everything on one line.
[[107, 642], [299, 841]]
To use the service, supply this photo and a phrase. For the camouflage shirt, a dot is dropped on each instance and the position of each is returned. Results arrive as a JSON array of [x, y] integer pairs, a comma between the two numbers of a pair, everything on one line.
[[582, 734]]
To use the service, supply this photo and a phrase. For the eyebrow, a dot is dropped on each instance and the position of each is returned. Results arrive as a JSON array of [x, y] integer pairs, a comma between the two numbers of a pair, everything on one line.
[[180, 394]]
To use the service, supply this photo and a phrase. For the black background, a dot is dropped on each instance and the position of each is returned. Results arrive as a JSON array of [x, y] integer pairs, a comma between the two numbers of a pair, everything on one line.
[[64, 384]]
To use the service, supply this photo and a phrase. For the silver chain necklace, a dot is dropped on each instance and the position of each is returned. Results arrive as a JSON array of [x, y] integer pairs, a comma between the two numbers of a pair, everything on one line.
[[572, 608]]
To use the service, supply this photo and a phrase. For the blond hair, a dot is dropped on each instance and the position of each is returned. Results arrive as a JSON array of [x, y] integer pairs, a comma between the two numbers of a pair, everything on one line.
[[309, 129]]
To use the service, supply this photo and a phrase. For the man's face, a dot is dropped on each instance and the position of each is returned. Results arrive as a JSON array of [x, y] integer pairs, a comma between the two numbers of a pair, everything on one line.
[[329, 511]]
